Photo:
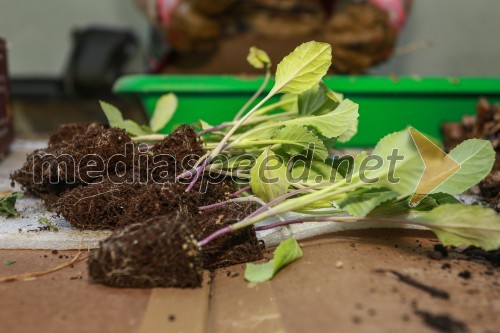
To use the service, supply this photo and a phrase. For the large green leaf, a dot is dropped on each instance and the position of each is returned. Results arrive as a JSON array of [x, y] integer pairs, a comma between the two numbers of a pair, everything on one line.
[[332, 124], [305, 138], [457, 224], [164, 111], [313, 172], [363, 200], [476, 158], [303, 68], [268, 177], [406, 173], [287, 252]]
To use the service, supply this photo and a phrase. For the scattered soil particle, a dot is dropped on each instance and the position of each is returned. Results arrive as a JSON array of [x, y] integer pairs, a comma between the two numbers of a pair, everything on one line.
[[356, 319], [433, 291], [435, 255], [54, 252], [171, 317], [162, 252], [442, 322], [446, 266], [466, 275], [441, 249]]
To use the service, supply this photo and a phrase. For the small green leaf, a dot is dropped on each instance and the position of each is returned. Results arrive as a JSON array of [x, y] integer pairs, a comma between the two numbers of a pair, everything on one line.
[[8, 204], [268, 176], [9, 262], [115, 119], [258, 58], [476, 158], [305, 138], [114, 116], [458, 224], [362, 201], [48, 223], [303, 68], [316, 101], [287, 252], [164, 111]]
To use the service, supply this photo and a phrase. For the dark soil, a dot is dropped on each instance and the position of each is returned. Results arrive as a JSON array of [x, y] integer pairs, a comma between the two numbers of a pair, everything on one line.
[[162, 252], [133, 187], [231, 249], [490, 258]]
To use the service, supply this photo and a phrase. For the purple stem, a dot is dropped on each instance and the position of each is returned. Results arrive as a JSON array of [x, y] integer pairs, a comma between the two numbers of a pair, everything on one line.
[[216, 234], [199, 171], [241, 190], [215, 205]]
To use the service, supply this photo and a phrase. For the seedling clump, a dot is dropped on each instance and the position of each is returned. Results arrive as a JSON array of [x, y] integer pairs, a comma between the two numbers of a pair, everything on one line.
[[197, 206]]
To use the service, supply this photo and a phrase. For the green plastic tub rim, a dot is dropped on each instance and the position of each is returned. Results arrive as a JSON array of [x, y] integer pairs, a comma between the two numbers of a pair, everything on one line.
[[387, 103]]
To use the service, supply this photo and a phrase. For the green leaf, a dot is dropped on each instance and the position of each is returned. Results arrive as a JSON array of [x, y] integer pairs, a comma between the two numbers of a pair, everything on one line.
[[314, 172], [332, 124], [317, 101], [48, 223], [268, 177], [401, 208], [8, 204], [115, 119], [164, 110], [407, 171], [362, 201], [287, 252], [458, 224], [303, 68], [476, 158], [352, 131], [258, 58], [305, 138], [443, 198], [9, 262], [114, 116]]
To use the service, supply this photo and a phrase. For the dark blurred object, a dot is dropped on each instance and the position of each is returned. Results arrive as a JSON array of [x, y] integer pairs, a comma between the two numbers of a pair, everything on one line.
[[485, 125], [362, 37], [6, 127], [98, 58], [200, 32]]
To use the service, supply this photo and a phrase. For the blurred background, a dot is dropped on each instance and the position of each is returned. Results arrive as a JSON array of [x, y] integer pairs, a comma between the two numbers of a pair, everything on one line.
[[64, 54]]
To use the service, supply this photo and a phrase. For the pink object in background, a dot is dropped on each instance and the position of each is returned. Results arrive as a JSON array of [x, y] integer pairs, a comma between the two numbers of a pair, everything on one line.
[[165, 9], [397, 9]]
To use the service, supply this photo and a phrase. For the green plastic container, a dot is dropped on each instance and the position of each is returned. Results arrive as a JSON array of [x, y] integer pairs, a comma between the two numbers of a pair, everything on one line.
[[386, 104]]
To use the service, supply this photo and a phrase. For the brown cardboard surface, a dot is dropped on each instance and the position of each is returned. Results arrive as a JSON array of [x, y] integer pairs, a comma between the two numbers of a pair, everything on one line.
[[311, 295]]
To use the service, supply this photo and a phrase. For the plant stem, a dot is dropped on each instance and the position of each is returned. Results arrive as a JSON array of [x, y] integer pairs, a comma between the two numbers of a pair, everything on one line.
[[334, 219], [223, 142], [222, 203], [149, 137], [255, 95], [241, 190]]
